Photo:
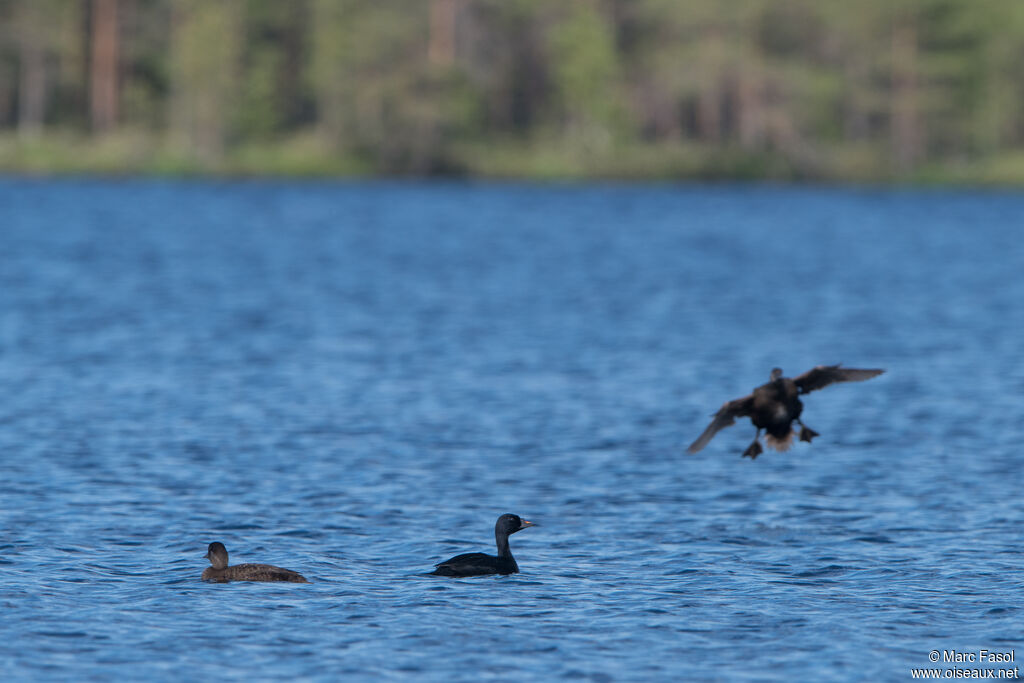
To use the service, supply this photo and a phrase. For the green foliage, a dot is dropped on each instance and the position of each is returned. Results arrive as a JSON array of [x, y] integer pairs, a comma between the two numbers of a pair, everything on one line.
[[586, 72], [879, 89], [205, 48]]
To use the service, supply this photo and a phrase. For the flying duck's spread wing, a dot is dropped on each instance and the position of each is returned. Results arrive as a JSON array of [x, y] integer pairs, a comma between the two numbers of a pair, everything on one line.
[[726, 415], [823, 375]]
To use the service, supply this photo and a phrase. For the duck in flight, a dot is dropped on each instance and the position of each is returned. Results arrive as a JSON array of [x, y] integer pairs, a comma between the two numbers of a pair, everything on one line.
[[774, 406], [221, 572], [479, 564]]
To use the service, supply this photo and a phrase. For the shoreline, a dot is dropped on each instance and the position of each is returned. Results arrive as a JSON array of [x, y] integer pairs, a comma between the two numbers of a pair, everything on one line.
[[542, 161]]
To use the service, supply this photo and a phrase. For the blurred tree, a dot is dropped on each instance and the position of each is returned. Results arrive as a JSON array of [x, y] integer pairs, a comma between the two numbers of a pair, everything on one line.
[[586, 73], [683, 76], [378, 95], [752, 87], [145, 63], [205, 45], [270, 81], [907, 133], [356, 73], [104, 66], [33, 26], [954, 70], [998, 120], [443, 18], [507, 64]]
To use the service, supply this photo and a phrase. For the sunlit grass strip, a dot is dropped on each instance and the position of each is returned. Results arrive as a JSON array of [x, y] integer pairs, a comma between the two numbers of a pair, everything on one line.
[[552, 158]]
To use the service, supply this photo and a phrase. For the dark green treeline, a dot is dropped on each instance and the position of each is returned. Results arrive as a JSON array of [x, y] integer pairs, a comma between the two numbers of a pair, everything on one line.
[[790, 89]]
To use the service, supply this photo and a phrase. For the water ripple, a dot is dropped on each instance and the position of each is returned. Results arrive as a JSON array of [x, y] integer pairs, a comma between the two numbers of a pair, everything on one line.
[[354, 380]]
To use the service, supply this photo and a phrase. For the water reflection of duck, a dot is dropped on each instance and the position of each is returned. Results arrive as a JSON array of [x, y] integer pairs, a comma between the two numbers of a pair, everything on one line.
[[478, 564], [220, 571], [774, 406]]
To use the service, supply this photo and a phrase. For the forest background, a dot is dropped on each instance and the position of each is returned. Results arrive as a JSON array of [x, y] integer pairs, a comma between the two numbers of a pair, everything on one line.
[[866, 91]]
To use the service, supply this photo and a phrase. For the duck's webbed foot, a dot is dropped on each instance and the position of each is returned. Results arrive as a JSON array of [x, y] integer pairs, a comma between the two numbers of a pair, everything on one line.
[[753, 450], [806, 433]]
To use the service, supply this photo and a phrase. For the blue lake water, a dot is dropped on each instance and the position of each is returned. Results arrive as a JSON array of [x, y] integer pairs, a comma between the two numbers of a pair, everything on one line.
[[353, 380]]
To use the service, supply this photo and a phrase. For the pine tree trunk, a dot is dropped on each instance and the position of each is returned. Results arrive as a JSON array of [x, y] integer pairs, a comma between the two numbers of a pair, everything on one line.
[[104, 67], [32, 90], [441, 50], [907, 134]]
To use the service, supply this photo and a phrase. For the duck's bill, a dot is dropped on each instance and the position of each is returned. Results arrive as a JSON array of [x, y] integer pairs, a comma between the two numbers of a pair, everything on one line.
[[526, 523]]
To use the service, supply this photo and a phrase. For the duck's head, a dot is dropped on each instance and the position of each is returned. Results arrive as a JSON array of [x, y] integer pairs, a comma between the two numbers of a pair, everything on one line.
[[217, 554], [776, 374], [509, 524]]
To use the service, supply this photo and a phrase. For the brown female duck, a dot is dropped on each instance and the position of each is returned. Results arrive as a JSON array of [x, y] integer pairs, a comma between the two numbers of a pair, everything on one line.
[[220, 571]]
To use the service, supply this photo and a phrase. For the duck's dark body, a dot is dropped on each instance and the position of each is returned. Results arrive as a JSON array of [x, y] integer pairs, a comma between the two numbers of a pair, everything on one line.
[[221, 572], [774, 406], [253, 572], [477, 564], [481, 564]]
